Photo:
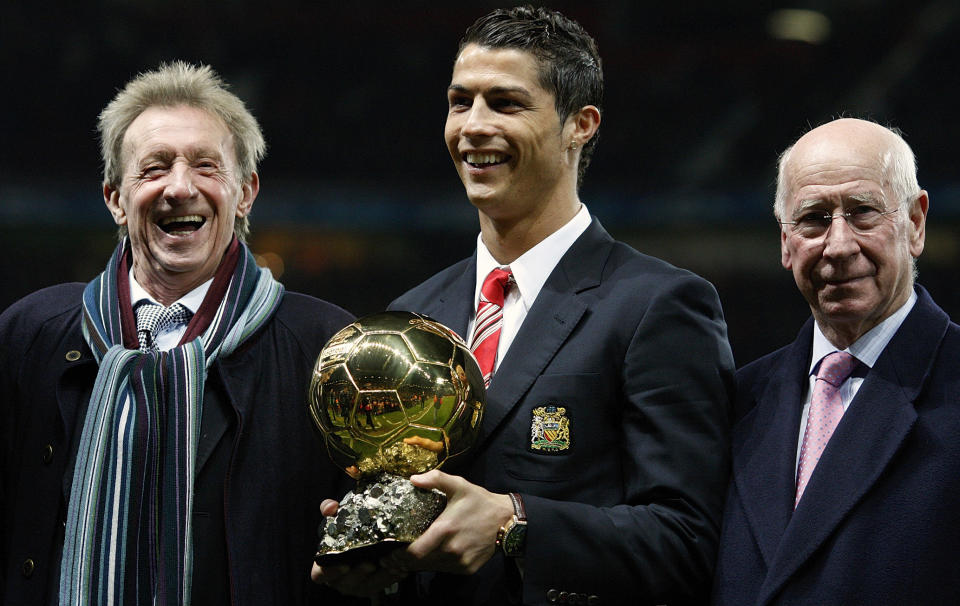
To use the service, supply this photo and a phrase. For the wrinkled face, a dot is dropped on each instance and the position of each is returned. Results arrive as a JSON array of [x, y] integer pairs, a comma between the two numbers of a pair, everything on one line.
[[179, 195], [503, 132], [851, 280]]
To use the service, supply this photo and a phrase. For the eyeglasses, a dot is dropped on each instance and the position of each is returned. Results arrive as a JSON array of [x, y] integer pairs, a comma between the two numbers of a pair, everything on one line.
[[815, 223]]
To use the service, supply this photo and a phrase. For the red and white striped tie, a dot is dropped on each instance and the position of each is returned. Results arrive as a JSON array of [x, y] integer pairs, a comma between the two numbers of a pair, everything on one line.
[[486, 330]]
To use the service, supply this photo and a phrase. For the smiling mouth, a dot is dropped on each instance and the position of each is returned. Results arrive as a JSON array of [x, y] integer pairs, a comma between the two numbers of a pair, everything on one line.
[[484, 159], [185, 224], [842, 281]]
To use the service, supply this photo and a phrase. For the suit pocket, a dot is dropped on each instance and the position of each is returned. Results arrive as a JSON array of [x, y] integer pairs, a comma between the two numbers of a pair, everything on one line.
[[550, 436]]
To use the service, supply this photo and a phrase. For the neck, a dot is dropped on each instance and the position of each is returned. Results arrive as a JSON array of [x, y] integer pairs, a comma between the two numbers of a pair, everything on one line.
[[508, 238], [169, 289], [844, 333]]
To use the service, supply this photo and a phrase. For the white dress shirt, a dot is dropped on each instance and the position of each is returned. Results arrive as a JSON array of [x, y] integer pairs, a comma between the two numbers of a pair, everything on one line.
[[530, 271], [866, 349], [167, 339]]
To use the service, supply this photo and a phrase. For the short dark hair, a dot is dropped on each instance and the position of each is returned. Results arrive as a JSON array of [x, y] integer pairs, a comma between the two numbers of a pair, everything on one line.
[[569, 63]]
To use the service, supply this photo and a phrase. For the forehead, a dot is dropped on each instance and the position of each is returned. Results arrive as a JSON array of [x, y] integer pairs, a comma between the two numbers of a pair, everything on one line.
[[182, 129], [835, 169], [481, 67]]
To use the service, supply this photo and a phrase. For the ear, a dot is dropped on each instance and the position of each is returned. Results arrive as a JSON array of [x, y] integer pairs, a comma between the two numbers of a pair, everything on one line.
[[917, 225], [785, 258], [583, 125], [111, 197], [249, 191]]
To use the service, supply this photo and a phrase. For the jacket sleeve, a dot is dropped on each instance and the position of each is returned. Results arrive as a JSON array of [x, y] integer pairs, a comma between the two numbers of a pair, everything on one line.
[[659, 545]]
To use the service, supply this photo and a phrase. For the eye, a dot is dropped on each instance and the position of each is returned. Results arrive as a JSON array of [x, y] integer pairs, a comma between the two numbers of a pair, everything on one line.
[[152, 170], [458, 101], [864, 211], [507, 104], [814, 219]]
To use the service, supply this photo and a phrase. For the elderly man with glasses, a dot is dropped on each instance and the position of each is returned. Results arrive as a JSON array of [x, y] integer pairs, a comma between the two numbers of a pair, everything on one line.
[[846, 448]]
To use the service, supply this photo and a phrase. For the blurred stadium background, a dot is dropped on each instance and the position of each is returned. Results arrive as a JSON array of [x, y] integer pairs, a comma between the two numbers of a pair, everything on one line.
[[359, 200]]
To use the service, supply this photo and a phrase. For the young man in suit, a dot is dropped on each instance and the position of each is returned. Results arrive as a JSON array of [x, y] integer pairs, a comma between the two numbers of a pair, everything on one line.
[[846, 463], [599, 473]]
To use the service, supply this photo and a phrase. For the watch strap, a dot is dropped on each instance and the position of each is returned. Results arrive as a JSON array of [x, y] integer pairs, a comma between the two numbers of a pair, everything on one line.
[[512, 536], [518, 508]]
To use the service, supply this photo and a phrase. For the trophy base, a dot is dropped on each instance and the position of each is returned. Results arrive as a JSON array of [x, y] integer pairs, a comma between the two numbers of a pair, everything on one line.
[[360, 553], [384, 513]]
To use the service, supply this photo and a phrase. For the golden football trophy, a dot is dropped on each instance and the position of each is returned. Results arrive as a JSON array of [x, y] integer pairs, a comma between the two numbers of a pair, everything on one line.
[[393, 394]]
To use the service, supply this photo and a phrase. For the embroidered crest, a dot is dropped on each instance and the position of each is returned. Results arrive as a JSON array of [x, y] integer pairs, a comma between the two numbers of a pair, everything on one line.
[[550, 429]]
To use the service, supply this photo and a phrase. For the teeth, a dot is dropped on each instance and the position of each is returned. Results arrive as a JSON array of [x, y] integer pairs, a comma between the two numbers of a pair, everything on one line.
[[485, 158], [183, 219]]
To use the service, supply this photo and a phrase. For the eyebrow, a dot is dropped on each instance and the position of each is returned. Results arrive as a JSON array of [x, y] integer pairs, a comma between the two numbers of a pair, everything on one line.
[[867, 197], [496, 90], [164, 154]]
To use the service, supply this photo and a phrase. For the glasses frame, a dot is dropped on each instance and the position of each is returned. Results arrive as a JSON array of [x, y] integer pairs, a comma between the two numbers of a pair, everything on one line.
[[846, 217]]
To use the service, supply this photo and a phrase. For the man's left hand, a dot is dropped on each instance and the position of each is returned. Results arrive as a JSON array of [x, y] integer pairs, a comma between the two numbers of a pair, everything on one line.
[[463, 537]]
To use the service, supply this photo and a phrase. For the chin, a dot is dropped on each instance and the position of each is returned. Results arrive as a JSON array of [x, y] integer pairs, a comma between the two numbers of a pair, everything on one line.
[[184, 263]]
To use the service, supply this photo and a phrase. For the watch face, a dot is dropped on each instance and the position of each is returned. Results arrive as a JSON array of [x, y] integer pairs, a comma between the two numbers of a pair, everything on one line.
[[515, 538]]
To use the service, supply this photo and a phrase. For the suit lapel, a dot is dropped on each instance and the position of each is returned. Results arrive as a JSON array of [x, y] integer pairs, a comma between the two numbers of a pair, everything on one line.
[[453, 306], [865, 442], [549, 322], [215, 419], [764, 466]]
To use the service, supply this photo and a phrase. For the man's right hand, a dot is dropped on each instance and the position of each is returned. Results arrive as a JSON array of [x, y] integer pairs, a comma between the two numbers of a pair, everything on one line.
[[367, 579]]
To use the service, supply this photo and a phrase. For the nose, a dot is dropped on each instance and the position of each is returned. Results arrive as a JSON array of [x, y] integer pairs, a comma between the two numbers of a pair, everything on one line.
[[180, 185], [840, 240], [478, 121]]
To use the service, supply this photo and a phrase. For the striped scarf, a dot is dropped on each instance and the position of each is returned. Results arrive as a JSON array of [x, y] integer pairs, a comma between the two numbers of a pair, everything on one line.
[[128, 530]]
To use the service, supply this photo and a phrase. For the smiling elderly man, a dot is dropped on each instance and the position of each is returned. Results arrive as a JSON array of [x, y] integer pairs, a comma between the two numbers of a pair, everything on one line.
[[846, 468], [155, 446]]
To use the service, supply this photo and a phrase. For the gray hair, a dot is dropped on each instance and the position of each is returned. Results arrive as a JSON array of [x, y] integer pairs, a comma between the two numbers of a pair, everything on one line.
[[171, 85]]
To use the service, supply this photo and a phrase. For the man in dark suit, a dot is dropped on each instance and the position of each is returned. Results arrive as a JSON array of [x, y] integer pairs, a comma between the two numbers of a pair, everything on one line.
[[846, 461], [599, 473], [154, 440]]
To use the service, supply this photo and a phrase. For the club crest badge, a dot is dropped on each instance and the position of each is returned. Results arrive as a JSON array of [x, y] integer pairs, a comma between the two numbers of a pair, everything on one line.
[[550, 429]]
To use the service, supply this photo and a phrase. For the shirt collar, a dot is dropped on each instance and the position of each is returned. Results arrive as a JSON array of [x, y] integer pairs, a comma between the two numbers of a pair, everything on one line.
[[532, 268], [191, 300], [867, 348]]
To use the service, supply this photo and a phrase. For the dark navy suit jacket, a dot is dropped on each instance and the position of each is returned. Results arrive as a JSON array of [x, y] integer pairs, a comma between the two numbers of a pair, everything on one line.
[[878, 522], [636, 351]]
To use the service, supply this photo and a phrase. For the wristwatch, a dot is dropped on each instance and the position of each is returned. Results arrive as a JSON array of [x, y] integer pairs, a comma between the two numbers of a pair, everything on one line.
[[512, 536]]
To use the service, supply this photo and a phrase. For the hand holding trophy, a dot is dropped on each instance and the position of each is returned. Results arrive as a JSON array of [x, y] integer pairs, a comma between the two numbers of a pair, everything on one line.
[[394, 394]]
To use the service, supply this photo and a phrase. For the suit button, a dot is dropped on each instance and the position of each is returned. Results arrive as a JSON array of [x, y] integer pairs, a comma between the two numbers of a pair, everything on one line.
[[593, 600], [28, 568], [48, 453], [564, 597], [73, 355], [552, 596]]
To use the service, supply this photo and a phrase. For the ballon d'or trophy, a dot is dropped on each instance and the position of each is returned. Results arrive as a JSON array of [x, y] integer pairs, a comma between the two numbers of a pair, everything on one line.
[[394, 394]]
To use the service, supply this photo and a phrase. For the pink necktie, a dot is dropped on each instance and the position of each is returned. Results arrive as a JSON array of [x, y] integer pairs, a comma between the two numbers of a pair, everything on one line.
[[826, 408], [486, 330]]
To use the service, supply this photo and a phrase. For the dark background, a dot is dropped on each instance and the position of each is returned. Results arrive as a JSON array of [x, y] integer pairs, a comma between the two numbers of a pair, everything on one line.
[[359, 200]]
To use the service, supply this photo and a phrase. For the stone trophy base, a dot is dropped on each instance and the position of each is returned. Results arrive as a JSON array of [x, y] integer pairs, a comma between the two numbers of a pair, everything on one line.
[[383, 513]]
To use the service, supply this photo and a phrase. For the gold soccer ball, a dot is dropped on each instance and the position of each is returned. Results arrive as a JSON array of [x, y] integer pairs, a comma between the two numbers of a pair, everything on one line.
[[396, 392]]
